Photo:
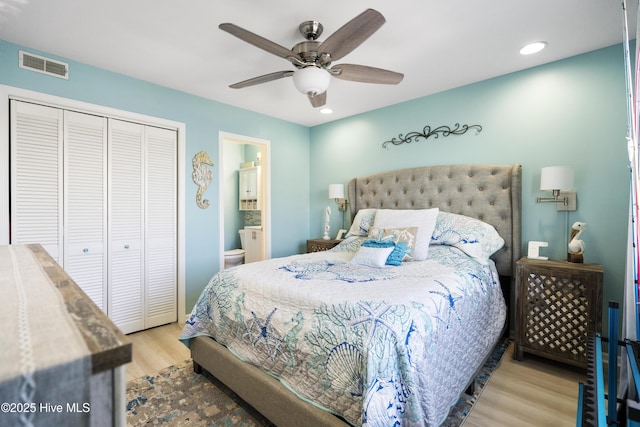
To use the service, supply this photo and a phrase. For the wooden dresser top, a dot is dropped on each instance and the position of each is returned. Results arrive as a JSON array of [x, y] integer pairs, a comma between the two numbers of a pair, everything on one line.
[[109, 347]]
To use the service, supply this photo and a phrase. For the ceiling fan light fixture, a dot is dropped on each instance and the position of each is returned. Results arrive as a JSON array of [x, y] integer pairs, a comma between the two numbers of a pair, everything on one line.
[[311, 80], [313, 58]]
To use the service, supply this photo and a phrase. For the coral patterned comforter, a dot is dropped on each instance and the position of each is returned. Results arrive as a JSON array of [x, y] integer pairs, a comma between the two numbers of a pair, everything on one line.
[[377, 346]]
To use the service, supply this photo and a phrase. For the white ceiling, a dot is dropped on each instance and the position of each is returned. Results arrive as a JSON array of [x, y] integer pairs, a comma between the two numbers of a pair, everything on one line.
[[437, 44]]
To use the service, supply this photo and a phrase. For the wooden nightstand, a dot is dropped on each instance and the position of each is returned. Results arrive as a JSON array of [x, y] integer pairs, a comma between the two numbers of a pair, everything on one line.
[[319, 245], [557, 304]]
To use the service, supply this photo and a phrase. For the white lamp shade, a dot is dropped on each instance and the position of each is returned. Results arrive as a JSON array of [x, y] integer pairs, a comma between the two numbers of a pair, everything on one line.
[[336, 191], [556, 178], [311, 80]]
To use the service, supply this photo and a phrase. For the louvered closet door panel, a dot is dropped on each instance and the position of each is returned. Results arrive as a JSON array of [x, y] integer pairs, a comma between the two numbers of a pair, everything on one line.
[[85, 179], [160, 231], [36, 176], [126, 214]]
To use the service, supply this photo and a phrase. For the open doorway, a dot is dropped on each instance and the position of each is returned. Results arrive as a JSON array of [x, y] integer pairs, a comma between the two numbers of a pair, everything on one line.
[[240, 156]]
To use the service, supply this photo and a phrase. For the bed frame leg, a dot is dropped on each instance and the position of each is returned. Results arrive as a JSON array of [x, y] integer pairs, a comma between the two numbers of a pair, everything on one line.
[[197, 368], [471, 389]]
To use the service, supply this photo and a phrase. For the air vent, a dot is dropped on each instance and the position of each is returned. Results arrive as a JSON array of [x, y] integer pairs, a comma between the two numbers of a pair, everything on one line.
[[44, 65]]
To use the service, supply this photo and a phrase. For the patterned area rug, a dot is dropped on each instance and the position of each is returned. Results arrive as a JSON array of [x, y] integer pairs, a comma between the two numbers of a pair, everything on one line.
[[177, 396]]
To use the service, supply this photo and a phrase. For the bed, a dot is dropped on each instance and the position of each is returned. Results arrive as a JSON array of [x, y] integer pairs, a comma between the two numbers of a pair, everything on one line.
[[340, 338]]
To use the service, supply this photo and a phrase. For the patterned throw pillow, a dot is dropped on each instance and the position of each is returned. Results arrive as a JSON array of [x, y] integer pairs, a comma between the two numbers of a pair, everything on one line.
[[362, 222], [476, 238], [406, 235], [424, 219]]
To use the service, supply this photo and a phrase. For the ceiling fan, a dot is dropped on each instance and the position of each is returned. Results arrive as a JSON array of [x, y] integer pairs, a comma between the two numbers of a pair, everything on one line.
[[312, 59]]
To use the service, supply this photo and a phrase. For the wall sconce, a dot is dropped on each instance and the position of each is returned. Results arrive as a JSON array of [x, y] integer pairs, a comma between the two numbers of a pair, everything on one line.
[[558, 180], [336, 192]]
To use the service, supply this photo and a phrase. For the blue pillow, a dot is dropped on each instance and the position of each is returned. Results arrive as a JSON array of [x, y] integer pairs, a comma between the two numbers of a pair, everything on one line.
[[395, 257]]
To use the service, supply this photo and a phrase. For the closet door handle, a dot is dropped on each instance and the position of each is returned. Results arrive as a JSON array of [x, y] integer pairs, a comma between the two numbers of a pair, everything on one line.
[[126, 246], [85, 250]]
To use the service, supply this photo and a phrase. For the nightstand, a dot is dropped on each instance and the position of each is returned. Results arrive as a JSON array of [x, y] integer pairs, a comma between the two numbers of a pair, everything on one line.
[[557, 304], [319, 245]]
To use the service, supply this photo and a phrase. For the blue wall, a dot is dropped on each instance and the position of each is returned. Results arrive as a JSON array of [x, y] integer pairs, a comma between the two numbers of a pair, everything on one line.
[[568, 112], [204, 119]]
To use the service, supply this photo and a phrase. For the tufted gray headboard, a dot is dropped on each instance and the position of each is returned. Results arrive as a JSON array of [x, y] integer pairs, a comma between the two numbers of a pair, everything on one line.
[[491, 193]]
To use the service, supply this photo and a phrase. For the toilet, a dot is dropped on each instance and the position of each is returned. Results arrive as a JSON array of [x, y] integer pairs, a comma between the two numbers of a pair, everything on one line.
[[235, 257]]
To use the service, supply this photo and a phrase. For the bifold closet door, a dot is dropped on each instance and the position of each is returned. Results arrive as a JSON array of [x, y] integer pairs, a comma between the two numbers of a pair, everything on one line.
[[85, 203], [100, 195], [58, 179], [126, 221], [161, 299], [36, 176], [143, 225]]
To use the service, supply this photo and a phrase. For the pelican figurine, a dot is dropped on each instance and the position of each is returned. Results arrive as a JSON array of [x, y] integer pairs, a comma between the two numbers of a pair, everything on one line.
[[576, 246]]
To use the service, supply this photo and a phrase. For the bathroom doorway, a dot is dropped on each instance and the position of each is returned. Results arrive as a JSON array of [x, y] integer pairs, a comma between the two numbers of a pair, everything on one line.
[[238, 152]]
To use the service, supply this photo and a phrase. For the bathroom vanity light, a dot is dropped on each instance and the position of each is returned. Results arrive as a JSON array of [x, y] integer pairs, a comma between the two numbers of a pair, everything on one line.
[[557, 179], [336, 192]]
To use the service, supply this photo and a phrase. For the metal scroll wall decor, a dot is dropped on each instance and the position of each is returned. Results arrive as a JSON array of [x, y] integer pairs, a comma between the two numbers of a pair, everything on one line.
[[435, 133], [202, 176]]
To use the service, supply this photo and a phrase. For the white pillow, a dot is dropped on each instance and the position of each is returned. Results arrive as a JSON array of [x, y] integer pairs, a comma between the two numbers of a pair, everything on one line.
[[424, 219], [373, 257], [362, 222]]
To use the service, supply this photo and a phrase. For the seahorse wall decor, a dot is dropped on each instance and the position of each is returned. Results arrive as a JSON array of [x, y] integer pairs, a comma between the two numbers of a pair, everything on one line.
[[202, 176]]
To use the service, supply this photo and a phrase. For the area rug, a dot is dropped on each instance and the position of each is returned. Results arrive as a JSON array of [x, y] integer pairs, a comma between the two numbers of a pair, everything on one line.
[[177, 396]]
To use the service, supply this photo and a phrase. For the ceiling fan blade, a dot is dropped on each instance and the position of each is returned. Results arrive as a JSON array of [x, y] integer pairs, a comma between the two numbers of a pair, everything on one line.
[[352, 34], [262, 79], [318, 100], [365, 74], [258, 41]]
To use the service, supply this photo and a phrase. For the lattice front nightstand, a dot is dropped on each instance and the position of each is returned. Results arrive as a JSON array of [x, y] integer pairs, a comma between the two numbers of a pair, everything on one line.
[[319, 245], [557, 304]]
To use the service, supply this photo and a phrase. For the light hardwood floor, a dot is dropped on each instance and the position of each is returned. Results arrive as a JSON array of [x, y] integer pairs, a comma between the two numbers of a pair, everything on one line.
[[155, 349], [532, 392]]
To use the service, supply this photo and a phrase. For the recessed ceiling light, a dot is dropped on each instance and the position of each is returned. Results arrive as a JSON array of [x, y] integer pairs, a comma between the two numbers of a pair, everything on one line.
[[533, 48], [326, 111]]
